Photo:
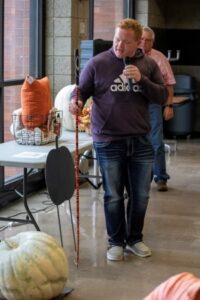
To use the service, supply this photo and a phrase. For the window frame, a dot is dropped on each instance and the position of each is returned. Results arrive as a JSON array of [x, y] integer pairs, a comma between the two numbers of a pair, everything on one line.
[[37, 70]]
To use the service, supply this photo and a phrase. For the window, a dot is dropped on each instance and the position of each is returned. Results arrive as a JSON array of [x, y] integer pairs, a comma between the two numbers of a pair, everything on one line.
[[20, 54], [16, 38], [105, 14]]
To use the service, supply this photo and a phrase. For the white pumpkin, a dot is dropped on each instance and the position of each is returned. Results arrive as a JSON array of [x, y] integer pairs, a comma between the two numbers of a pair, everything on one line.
[[33, 266], [62, 101]]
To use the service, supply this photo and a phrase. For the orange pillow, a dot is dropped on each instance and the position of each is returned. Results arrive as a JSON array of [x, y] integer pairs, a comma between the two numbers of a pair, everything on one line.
[[183, 286], [35, 101]]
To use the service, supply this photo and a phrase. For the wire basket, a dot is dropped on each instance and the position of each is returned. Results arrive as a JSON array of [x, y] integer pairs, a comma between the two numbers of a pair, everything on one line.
[[37, 129]]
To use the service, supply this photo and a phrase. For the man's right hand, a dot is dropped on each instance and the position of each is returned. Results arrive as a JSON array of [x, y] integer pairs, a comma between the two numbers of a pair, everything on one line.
[[76, 104], [74, 107]]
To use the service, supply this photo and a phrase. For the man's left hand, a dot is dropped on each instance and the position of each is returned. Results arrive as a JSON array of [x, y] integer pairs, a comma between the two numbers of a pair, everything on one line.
[[168, 113]]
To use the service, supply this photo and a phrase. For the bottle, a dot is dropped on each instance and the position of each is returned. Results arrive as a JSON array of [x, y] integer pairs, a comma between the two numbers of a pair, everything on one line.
[[57, 125]]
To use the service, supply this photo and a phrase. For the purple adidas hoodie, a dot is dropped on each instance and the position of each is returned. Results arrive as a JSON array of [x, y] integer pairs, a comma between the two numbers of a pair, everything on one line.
[[116, 111]]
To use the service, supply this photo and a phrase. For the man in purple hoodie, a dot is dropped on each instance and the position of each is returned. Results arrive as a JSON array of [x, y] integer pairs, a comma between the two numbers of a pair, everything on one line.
[[122, 81]]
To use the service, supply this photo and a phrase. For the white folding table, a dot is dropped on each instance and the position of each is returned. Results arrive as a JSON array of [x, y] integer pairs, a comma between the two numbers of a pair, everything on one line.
[[34, 157]]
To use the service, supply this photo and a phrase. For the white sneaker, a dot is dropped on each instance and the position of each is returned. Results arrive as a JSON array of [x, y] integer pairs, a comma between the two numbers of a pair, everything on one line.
[[139, 249], [115, 253]]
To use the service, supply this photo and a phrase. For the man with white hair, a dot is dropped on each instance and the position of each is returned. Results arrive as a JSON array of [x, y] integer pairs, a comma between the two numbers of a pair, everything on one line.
[[157, 112]]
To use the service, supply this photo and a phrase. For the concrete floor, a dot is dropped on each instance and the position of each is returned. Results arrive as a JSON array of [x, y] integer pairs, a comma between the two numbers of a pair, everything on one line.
[[172, 231]]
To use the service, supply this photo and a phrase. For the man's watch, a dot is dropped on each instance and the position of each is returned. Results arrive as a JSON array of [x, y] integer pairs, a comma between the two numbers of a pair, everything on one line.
[[168, 105]]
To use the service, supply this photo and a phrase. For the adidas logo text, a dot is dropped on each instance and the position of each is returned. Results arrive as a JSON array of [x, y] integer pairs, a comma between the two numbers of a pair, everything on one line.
[[123, 87]]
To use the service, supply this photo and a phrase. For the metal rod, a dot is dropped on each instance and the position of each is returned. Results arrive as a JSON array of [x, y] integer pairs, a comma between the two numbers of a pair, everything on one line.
[[25, 200], [59, 223], [73, 231]]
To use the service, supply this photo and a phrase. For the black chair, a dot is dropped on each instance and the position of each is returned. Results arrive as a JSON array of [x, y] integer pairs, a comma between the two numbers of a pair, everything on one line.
[[60, 180], [185, 97]]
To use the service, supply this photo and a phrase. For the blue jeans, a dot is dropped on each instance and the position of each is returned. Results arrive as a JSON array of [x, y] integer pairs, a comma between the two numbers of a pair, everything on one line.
[[125, 163], [156, 137]]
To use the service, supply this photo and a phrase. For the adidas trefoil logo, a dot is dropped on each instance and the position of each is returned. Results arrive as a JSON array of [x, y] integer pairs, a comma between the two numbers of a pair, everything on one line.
[[121, 85]]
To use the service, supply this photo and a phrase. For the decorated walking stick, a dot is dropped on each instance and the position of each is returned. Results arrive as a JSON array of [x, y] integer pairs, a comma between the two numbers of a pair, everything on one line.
[[76, 58]]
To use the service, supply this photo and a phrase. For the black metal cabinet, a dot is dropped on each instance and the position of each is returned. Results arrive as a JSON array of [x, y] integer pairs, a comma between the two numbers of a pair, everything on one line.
[[90, 48], [184, 112]]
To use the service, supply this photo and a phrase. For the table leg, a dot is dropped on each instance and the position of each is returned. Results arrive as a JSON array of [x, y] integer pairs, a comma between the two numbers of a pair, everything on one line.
[[25, 200], [24, 197]]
